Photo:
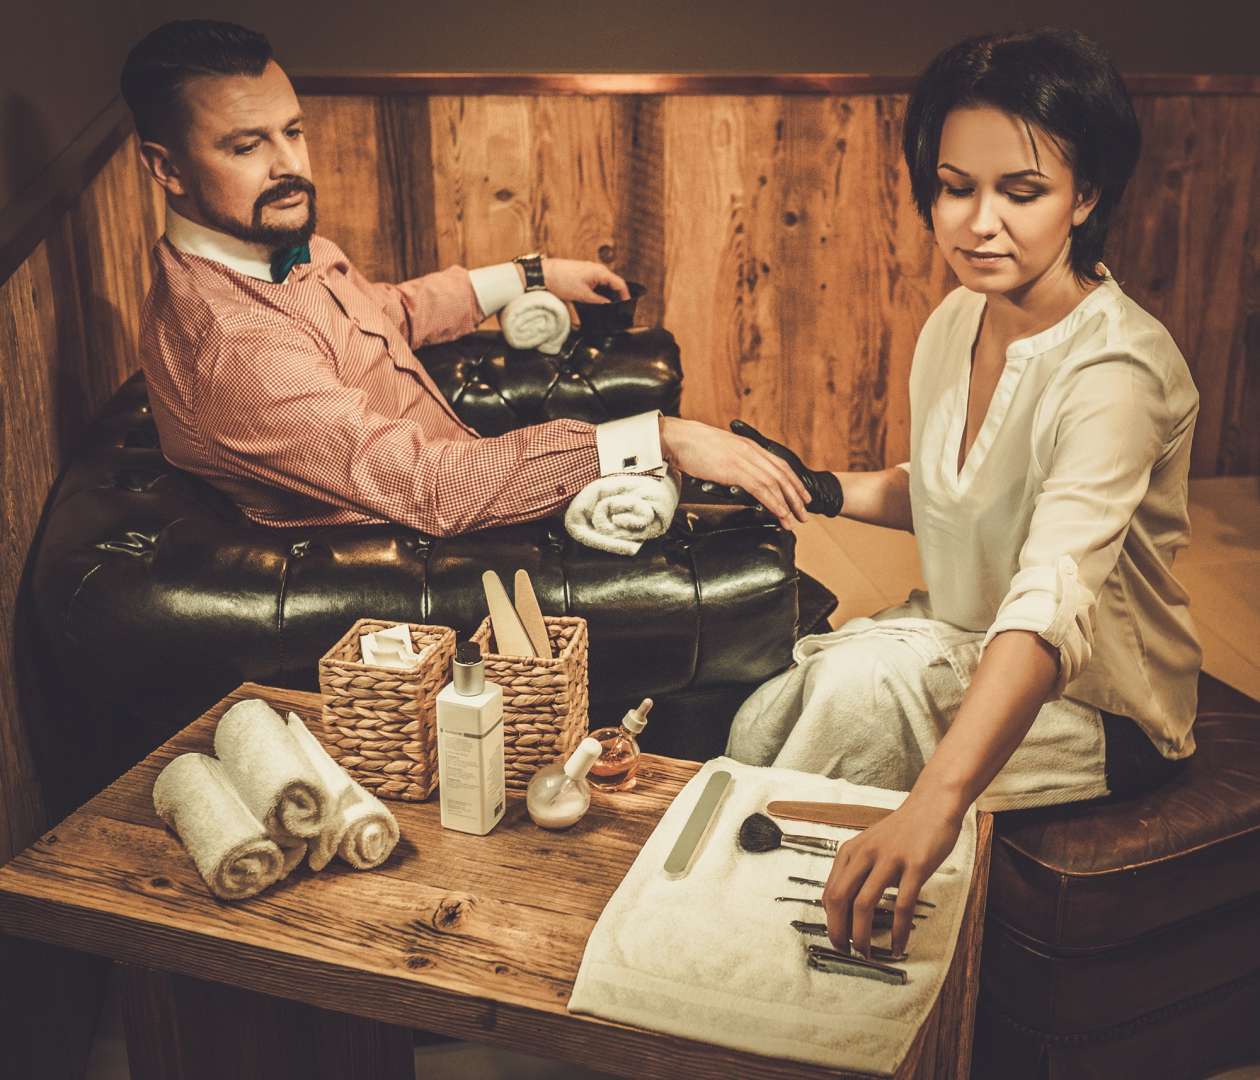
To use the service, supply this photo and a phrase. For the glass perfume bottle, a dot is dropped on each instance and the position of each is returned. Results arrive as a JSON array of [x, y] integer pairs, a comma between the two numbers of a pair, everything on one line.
[[559, 795], [618, 762]]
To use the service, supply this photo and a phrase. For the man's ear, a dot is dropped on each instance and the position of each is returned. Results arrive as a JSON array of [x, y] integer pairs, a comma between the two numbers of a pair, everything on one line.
[[1086, 200], [161, 165]]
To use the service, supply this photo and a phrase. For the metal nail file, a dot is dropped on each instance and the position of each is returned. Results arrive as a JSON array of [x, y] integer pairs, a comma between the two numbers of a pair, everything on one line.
[[693, 832], [509, 635], [531, 615]]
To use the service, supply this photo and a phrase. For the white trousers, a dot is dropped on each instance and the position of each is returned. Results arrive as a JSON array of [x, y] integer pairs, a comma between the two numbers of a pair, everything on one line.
[[869, 703]]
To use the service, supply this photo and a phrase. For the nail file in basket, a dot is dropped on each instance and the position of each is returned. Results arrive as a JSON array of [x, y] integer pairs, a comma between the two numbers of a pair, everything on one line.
[[531, 615], [845, 815], [693, 832], [509, 635]]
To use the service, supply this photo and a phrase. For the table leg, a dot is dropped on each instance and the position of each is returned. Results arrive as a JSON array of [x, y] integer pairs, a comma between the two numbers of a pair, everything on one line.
[[180, 1028]]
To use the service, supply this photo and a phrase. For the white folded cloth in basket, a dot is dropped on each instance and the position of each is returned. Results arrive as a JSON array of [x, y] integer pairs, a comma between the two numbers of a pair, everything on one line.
[[234, 855], [268, 768], [617, 513], [536, 320], [359, 828], [711, 956]]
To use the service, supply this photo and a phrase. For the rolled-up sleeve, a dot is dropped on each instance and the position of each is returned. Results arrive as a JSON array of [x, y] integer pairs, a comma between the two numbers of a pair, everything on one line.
[[1104, 427]]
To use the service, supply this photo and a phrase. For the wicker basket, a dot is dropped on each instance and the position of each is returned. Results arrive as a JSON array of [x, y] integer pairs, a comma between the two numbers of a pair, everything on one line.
[[378, 723], [544, 701]]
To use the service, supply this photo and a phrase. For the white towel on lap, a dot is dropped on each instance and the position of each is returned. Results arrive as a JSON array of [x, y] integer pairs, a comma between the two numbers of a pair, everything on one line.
[[618, 513], [536, 320], [272, 774], [359, 828], [658, 957], [230, 846]]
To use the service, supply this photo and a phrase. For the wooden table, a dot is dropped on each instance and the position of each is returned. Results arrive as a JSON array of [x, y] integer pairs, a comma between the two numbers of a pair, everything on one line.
[[325, 975]]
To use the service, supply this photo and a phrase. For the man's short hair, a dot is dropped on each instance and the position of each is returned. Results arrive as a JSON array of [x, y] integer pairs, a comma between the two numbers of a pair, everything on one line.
[[158, 66], [1060, 80]]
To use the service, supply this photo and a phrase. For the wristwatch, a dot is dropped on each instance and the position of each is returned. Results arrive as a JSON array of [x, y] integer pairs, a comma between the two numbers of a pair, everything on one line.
[[532, 265]]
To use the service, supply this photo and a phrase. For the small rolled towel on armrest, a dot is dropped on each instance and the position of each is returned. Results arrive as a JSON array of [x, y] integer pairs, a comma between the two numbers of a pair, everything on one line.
[[272, 774], [536, 320], [618, 513], [359, 828], [234, 855]]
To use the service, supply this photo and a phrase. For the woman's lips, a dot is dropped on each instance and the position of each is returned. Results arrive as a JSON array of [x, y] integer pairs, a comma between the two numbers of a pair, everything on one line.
[[981, 260]]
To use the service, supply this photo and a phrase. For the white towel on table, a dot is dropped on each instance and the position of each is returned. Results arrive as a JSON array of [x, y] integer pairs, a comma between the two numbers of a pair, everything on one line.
[[233, 853], [711, 956], [359, 828], [272, 774], [536, 320], [618, 513]]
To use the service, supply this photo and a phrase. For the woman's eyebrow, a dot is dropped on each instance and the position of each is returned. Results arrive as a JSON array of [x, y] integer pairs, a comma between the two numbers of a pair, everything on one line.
[[1005, 176]]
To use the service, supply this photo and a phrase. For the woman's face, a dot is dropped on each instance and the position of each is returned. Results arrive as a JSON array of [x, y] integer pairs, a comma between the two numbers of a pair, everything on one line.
[[993, 199]]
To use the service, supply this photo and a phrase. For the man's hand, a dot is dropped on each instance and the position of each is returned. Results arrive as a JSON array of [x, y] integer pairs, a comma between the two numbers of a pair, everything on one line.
[[903, 850], [708, 453], [573, 279], [826, 494]]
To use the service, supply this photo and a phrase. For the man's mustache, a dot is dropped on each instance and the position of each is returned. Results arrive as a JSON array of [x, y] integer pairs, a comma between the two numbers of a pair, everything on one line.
[[284, 190]]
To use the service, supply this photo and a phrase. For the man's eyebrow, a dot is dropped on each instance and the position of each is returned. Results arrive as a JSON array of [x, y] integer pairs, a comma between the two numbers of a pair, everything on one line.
[[240, 133], [1005, 176]]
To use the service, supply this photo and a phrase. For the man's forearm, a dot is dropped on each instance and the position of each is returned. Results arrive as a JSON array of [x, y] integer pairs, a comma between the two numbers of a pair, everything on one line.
[[878, 498], [1011, 683]]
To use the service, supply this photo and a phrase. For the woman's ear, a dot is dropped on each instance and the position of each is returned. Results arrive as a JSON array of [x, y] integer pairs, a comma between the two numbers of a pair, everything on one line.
[[1086, 200], [161, 165]]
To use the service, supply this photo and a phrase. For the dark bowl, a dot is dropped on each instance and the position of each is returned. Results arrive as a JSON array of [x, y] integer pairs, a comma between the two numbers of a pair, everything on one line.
[[613, 317]]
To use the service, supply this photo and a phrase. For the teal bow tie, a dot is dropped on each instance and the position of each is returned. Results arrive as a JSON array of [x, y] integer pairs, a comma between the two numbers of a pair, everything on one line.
[[286, 259]]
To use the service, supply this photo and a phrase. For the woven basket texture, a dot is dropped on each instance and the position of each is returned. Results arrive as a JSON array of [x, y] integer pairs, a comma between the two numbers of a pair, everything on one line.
[[545, 702], [379, 724]]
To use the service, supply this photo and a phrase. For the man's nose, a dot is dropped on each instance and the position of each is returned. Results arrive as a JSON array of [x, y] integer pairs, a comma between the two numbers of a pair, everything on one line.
[[287, 161]]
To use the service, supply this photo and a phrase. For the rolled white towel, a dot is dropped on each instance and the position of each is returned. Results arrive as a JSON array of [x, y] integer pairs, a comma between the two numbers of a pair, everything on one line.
[[271, 772], [617, 513], [230, 846], [361, 829], [536, 320]]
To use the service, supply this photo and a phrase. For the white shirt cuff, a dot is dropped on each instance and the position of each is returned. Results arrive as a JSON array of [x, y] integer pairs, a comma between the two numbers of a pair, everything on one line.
[[904, 465], [496, 286], [631, 444]]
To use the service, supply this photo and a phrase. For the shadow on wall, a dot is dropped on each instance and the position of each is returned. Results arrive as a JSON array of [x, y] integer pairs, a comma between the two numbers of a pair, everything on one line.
[[25, 148]]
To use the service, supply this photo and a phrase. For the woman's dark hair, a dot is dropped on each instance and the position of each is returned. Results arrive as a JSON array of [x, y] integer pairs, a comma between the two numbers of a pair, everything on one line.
[[158, 66], [1060, 81]]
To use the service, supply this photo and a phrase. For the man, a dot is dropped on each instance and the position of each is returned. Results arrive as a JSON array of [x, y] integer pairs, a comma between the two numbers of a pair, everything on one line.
[[278, 373]]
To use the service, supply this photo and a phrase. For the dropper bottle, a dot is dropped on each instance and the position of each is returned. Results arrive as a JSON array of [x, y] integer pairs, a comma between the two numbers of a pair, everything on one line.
[[618, 764], [559, 795]]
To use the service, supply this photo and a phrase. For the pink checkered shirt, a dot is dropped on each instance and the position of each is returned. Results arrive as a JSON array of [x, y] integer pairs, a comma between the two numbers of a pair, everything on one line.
[[302, 401]]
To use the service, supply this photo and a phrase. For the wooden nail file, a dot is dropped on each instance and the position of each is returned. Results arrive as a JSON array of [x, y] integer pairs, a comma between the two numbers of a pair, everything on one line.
[[510, 638], [845, 815], [531, 615]]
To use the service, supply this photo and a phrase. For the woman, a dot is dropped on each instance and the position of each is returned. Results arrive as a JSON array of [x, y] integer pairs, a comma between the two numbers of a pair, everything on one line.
[[1052, 658]]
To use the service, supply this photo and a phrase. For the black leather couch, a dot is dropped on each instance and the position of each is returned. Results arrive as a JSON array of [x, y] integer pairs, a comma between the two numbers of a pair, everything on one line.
[[152, 596]]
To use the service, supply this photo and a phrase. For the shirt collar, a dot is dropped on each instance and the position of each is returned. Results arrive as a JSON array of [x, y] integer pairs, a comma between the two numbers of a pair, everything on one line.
[[253, 260]]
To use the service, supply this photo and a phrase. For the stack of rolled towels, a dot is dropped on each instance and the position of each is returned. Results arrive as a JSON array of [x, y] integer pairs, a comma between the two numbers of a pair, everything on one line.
[[270, 796]]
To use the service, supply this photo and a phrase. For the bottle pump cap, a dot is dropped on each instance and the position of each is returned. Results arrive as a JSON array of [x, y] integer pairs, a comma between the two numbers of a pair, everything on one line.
[[468, 672], [581, 760], [636, 719]]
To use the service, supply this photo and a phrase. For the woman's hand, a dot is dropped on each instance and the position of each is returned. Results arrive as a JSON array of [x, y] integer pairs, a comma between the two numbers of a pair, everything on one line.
[[574, 279], [903, 850]]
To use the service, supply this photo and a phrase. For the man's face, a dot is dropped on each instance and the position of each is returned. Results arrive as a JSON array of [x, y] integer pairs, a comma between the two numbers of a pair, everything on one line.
[[243, 165], [994, 198]]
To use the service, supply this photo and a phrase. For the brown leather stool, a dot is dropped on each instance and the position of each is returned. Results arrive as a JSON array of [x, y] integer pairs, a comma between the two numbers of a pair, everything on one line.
[[1123, 935]]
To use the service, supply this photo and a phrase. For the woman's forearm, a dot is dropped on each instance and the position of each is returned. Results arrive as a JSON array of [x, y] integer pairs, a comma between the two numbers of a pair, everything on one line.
[[878, 498], [1011, 683]]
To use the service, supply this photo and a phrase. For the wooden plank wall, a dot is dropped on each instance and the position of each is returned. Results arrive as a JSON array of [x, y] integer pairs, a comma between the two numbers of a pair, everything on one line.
[[777, 237]]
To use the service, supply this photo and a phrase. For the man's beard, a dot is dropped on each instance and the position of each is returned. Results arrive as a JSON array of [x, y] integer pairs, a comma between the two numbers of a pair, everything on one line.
[[274, 237]]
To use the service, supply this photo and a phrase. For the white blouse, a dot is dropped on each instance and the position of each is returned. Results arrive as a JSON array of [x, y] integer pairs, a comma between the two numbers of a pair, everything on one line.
[[1071, 504]]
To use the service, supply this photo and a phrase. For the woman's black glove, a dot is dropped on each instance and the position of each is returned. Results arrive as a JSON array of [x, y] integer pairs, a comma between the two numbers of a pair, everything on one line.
[[826, 496]]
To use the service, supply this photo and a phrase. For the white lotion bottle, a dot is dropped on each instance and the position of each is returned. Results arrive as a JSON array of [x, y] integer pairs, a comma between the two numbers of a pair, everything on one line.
[[559, 795], [470, 745]]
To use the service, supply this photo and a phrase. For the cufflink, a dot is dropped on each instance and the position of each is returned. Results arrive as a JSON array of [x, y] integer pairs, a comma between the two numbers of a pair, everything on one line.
[[630, 462]]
